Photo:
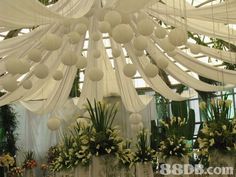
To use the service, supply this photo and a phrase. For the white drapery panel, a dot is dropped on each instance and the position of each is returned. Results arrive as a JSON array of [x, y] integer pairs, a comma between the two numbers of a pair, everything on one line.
[[224, 12], [29, 13], [226, 56], [155, 83], [211, 29]]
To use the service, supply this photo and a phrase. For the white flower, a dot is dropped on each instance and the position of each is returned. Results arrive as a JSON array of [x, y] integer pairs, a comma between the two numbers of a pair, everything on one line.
[[224, 127], [228, 148], [228, 103], [202, 105], [212, 141], [205, 130]]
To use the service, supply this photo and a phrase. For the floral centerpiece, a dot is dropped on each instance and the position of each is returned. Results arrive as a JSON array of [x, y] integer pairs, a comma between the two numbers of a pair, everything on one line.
[[29, 164], [6, 161], [144, 155], [217, 138], [16, 172], [175, 144], [104, 141]]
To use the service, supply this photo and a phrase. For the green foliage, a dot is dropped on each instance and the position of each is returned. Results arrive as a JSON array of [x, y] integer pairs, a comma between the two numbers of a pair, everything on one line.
[[8, 124], [180, 109], [102, 115], [144, 153]]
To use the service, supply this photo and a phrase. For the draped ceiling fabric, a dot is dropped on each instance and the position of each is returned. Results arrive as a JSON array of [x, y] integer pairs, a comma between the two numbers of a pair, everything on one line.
[[209, 20]]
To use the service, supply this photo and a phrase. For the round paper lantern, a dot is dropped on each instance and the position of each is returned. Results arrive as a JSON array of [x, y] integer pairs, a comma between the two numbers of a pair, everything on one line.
[[53, 123], [116, 52], [122, 33], [150, 70], [160, 32], [12, 65], [172, 54], [135, 118], [113, 17], [166, 45], [129, 70], [145, 27], [138, 53], [104, 27], [69, 58], [35, 55], [58, 75], [51, 42], [162, 63], [41, 71], [140, 43], [81, 63], [96, 53], [195, 49], [27, 84], [74, 37], [95, 74], [178, 37], [9, 84], [82, 28], [96, 36], [125, 18], [24, 67]]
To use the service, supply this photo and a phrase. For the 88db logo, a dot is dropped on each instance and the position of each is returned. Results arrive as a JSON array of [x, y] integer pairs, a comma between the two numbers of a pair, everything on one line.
[[187, 169]]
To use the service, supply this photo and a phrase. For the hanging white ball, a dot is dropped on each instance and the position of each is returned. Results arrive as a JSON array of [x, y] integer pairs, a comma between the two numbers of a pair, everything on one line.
[[96, 36], [172, 54], [12, 65], [96, 53], [53, 123], [104, 27], [126, 18], [151, 70], [145, 27], [116, 52], [162, 63], [58, 75], [74, 37], [100, 13], [24, 67], [166, 45], [140, 43], [129, 70], [27, 84], [113, 17], [178, 37], [138, 53], [81, 28], [51, 42], [160, 32], [69, 58], [122, 33], [95, 74], [195, 49], [81, 63], [41, 71], [135, 118], [9, 84], [35, 55]]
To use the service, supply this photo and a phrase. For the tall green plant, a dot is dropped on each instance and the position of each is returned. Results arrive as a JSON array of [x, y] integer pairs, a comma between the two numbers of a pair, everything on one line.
[[102, 115]]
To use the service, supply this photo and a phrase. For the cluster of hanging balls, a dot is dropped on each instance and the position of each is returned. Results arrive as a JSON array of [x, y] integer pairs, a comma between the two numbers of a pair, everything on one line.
[[117, 25]]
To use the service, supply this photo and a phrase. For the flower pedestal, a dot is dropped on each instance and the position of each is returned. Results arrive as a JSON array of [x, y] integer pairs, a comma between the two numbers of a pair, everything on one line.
[[103, 166], [176, 160], [29, 173], [127, 172], [218, 159], [144, 169], [82, 171]]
